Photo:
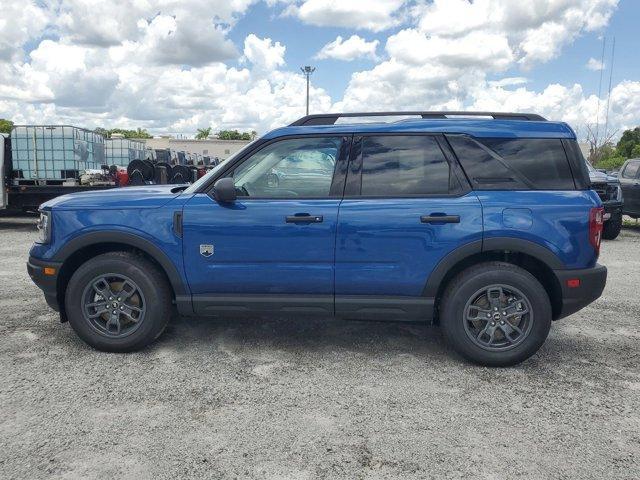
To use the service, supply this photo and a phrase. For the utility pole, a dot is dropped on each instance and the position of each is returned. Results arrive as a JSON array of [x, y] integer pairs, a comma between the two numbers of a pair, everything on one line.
[[307, 71]]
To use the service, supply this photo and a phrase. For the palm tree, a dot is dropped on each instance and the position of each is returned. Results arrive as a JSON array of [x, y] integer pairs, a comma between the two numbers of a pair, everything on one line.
[[203, 133]]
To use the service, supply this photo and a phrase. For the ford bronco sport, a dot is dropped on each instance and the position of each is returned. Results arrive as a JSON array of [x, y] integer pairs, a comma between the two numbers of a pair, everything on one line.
[[483, 223]]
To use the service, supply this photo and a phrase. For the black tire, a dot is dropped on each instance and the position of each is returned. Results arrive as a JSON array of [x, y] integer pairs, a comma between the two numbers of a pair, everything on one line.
[[612, 227], [151, 286], [465, 287]]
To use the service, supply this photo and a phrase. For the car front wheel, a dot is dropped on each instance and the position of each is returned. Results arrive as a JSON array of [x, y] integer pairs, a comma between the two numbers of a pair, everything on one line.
[[118, 302], [495, 314], [612, 227]]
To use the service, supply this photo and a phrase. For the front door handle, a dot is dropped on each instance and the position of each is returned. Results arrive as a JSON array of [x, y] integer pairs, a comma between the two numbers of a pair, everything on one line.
[[440, 218], [304, 218]]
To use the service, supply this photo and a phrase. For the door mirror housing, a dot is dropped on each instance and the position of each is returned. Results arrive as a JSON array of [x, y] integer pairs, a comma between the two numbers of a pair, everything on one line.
[[224, 190]]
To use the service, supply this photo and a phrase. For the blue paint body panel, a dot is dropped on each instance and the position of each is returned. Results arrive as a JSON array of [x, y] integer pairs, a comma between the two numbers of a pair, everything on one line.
[[559, 221], [146, 212], [382, 247], [256, 251]]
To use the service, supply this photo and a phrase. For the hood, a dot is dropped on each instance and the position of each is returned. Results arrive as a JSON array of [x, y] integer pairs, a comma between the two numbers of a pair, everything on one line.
[[600, 177], [147, 196]]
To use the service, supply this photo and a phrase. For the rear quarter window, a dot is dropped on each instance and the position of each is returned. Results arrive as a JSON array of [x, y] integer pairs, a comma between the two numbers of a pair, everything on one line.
[[513, 164]]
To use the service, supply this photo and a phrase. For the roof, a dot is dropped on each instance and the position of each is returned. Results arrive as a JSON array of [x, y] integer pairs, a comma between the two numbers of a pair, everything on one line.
[[475, 127]]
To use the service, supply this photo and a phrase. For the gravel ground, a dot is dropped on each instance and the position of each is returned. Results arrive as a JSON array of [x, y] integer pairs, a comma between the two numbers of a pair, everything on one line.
[[316, 398]]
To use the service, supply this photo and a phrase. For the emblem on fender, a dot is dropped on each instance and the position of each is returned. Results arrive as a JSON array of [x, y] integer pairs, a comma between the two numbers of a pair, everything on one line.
[[206, 250]]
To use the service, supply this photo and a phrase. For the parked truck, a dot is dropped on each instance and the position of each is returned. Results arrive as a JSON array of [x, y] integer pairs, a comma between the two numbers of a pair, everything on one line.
[[41, 162]]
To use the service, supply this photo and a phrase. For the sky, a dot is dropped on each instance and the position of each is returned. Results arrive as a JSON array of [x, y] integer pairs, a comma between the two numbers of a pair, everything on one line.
[[173, 66]]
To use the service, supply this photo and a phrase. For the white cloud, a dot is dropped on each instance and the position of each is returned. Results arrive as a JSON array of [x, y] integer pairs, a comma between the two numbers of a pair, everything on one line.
[[350, 49], [536, 30], [19, 22], [264, 53], [595, 65], [374, 15], [478, 49]]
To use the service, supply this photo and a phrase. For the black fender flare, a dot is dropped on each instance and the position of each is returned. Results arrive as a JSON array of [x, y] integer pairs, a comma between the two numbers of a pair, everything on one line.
[[510, 244], [130, 239]]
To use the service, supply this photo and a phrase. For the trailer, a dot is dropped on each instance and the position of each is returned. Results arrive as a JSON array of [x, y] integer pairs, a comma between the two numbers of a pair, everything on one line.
[[41, 162], [21, 194]]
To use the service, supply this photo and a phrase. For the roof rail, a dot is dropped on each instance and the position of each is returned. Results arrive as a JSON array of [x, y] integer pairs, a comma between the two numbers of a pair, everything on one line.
[[331, 118]]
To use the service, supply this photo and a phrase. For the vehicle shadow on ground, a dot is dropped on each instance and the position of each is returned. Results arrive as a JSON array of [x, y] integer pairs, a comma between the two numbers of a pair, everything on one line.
[[309, 334]]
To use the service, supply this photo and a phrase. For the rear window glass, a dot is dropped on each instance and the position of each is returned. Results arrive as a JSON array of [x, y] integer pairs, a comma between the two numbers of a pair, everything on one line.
[[403, 165], [631, 170], [484, 170], [536, 163]]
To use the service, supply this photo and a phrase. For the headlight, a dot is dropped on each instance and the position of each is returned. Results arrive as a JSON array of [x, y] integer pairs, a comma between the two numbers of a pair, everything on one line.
[[44, 227]]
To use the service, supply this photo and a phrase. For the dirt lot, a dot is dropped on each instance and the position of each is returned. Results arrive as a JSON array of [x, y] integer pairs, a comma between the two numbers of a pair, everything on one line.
[[316, 398]]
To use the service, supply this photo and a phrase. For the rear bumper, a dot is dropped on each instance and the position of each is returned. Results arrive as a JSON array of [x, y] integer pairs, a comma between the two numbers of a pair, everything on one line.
[[46, 283], [591, 285]]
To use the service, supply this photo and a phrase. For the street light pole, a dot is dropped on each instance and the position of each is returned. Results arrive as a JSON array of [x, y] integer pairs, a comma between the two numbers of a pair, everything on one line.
[[307, 71]]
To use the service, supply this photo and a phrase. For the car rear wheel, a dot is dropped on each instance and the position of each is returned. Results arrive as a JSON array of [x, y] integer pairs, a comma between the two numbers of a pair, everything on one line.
[[495, 314], [118, 302], [612, 227]]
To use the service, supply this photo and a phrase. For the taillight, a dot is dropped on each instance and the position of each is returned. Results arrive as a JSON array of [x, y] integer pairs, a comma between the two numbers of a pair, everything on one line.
[[596, 222]]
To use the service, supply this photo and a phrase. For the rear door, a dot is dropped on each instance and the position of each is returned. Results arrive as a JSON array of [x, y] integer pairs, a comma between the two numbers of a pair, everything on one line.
[[406, 206], [630, 184], [273, 249]]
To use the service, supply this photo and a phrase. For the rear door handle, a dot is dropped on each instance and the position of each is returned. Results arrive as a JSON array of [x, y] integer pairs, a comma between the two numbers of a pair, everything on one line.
[[440, 218], [304, 218]]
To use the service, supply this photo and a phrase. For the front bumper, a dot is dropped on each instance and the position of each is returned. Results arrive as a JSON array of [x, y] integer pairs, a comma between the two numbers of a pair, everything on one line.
[[591, 284], [46, 283], [611, 208]]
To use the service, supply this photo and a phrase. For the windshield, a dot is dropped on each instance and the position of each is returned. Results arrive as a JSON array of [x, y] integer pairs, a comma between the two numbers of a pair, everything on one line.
[[193, 188]]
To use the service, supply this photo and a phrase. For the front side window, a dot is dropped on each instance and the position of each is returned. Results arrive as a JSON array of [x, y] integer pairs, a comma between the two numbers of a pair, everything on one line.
[[404, 165], [289, 169], [631, 170]]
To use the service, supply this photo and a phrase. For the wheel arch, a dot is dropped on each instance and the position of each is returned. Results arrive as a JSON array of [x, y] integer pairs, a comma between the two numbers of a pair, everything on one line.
[[82, 248], [536, 259]]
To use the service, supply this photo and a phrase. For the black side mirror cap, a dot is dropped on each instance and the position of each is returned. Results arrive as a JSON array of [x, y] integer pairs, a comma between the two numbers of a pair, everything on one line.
[[224, 190]]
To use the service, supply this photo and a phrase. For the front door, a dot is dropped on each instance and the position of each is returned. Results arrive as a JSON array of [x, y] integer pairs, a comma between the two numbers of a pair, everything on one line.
[[404, 209], [630, 184], [274, 248]]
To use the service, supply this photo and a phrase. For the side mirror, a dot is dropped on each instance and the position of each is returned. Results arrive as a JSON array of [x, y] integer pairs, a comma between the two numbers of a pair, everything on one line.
[[224, 190]]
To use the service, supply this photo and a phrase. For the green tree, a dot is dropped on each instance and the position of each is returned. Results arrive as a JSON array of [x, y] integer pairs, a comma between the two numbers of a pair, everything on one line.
[[203, 133], [635, 153], [234, 135], [5, 125], [629, 140], [138, 133]]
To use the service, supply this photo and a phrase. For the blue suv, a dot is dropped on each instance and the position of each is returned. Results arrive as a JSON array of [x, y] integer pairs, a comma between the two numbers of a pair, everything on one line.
[[483, 223]]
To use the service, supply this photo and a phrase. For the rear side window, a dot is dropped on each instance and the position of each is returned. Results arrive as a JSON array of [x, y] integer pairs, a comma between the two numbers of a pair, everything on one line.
[[631, 170], [535, 163], [404, 165]]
